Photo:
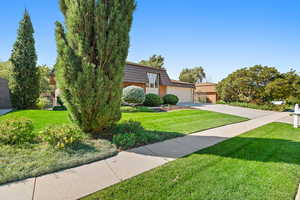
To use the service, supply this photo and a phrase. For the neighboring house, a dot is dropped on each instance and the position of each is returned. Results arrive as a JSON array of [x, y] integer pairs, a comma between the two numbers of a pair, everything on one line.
[[4, 94], [206, 93], [152, 80]]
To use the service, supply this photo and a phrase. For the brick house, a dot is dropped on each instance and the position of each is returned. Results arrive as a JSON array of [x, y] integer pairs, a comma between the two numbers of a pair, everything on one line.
[[4, 94], [152, 80]]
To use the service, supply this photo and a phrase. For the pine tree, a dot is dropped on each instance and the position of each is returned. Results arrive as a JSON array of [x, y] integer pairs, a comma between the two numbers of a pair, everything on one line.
[[92, 54], [24, 75]]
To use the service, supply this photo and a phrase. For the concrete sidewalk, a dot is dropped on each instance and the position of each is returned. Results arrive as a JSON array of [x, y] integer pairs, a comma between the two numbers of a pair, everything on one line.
[[80, 181]]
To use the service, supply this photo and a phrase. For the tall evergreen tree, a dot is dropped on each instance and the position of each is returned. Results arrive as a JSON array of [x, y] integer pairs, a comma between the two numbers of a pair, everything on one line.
[[92, 54], [24, 74]]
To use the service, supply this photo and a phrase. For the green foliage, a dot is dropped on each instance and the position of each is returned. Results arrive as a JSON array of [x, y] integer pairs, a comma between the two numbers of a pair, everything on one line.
[[4, 70], [16, 131], [62, 136], [247, 85], [170, 99], [45, 72], [92, 54], [152, 100], [43, 103], [24, 75], [129, 126], [60, 101], [131, 134], [194, 75], [133, 95], [59, 108], [268, 106], [156, 61]]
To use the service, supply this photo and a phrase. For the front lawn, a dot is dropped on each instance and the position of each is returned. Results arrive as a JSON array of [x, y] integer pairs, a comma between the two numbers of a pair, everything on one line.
[[181, 121], [19, 162], [261, 164]]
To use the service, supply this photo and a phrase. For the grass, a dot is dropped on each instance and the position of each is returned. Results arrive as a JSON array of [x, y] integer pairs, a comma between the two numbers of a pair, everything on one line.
[[262, 164], [36, 159], [181, 121]]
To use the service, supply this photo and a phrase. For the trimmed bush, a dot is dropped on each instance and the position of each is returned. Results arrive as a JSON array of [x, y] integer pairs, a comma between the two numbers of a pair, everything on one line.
[[131, 134], [43, 103], [59, 108], [170, 99], [133, 95], [62, 136], [16, 131], [152, 100]]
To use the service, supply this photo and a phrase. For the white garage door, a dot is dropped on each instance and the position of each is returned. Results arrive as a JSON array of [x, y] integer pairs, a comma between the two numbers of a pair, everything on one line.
[[185, 95]]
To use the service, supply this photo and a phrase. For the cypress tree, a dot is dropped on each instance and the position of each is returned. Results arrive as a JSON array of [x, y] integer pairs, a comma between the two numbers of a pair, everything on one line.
[[24, 74], [92, 50]]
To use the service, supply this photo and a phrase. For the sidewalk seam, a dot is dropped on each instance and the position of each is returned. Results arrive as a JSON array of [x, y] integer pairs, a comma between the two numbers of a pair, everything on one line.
[[33, 191], [111, 169]]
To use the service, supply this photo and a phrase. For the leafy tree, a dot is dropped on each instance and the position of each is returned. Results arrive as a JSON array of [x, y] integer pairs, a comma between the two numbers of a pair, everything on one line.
[[92, 54], [195, 75], [24, 75], [287, 87], [156, 61], [4, 69], [248, 84]]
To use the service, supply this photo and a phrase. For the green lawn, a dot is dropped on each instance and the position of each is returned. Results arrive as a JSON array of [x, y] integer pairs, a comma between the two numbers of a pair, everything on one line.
[[261, 164], [182, 121], [36, 159]]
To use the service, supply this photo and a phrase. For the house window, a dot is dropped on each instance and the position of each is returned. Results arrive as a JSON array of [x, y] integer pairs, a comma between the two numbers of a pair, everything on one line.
[[153, 80]]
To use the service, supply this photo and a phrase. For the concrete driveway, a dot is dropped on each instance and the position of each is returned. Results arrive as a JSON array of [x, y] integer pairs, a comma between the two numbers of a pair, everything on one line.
[[233, 110], [4, 111]]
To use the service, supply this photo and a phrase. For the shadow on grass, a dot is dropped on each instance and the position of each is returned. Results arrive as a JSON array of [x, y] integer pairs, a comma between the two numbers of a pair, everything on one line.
[[244, 148]]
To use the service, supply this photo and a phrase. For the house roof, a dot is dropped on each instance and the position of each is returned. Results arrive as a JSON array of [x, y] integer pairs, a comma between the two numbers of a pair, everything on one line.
[[138, 73], [182, 84], [205, 84]]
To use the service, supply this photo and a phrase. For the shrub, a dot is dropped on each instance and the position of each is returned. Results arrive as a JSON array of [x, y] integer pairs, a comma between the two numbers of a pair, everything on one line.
[[16, 131], [152, 100], [125, 140], [170, 99], [131, 134], [133, 95], [59, 108], [128, 127], [43, 103], [62, 136]]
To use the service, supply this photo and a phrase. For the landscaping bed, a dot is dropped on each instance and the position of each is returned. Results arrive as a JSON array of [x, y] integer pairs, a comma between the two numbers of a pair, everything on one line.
[[34, 160], [261, 164]]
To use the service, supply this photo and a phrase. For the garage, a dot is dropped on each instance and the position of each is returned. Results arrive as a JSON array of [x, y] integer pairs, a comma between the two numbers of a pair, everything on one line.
[[185, 94], [4, 94]]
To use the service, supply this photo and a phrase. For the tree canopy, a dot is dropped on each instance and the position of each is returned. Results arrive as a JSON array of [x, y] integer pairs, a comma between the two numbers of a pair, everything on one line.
[[259, 84], [194, 75], [156, 61]]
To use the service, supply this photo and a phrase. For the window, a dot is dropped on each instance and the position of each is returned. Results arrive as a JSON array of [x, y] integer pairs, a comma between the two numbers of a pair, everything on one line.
[[153, 80]]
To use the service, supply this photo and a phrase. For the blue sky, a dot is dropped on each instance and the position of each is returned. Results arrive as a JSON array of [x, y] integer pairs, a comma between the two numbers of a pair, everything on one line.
[[219, 35]]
